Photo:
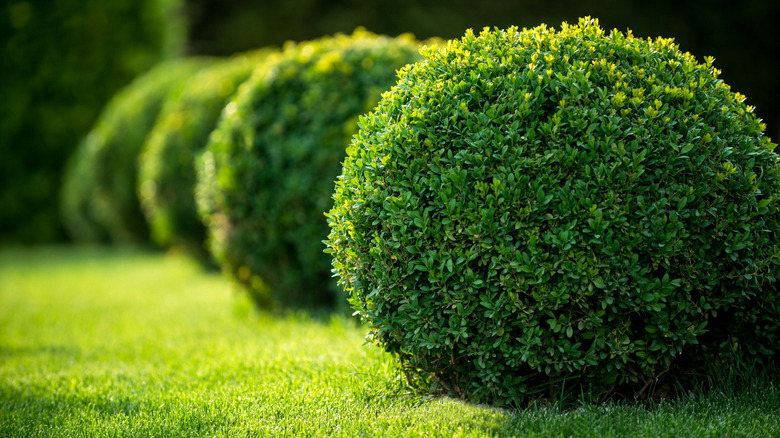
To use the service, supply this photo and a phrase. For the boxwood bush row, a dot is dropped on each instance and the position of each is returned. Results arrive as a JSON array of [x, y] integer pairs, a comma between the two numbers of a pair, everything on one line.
[[285, 119], [99, 191], [525, 211], [166, 174]]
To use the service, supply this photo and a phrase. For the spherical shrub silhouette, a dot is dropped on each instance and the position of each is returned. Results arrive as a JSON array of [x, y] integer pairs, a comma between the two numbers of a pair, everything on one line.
[[99, 194], [166, 173], [540, 209], [266, 177]]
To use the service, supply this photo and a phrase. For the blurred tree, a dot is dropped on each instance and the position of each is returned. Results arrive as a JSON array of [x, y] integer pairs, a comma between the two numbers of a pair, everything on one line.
[[60, 61], [739, 34]]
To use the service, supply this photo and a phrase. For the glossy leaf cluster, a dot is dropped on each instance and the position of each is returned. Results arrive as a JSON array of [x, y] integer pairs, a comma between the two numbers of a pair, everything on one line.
[[528, 209]]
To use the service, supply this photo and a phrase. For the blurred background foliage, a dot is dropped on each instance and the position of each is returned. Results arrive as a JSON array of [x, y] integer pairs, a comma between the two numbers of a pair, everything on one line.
[[61, 60]]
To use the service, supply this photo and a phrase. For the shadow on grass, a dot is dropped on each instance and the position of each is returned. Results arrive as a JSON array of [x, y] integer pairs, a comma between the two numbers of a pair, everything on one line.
[[23, 413], [7, 352]]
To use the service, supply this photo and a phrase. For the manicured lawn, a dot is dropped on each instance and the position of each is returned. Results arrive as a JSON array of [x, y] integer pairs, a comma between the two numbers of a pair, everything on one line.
[[120, 342]]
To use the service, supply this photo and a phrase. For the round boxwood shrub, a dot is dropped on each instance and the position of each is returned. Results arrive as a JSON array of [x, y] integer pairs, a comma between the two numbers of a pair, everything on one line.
[[166, 174], [546, 210], [267, 174], [100, 186]]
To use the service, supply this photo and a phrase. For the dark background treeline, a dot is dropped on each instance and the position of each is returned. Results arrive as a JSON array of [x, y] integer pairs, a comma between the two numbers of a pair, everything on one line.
[[60, 61]]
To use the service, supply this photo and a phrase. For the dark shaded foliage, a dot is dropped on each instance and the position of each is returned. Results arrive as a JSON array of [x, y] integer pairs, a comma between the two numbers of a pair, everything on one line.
[[59, 64]]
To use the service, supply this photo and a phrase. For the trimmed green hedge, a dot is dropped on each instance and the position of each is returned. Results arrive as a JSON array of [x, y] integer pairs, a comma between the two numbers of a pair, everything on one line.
[[60, 62], [166, 178], [540, 210], [268, 171], [99, 192]]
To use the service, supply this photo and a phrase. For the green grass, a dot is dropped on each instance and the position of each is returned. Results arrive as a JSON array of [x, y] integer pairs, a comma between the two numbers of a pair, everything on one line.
[[107, 342]]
